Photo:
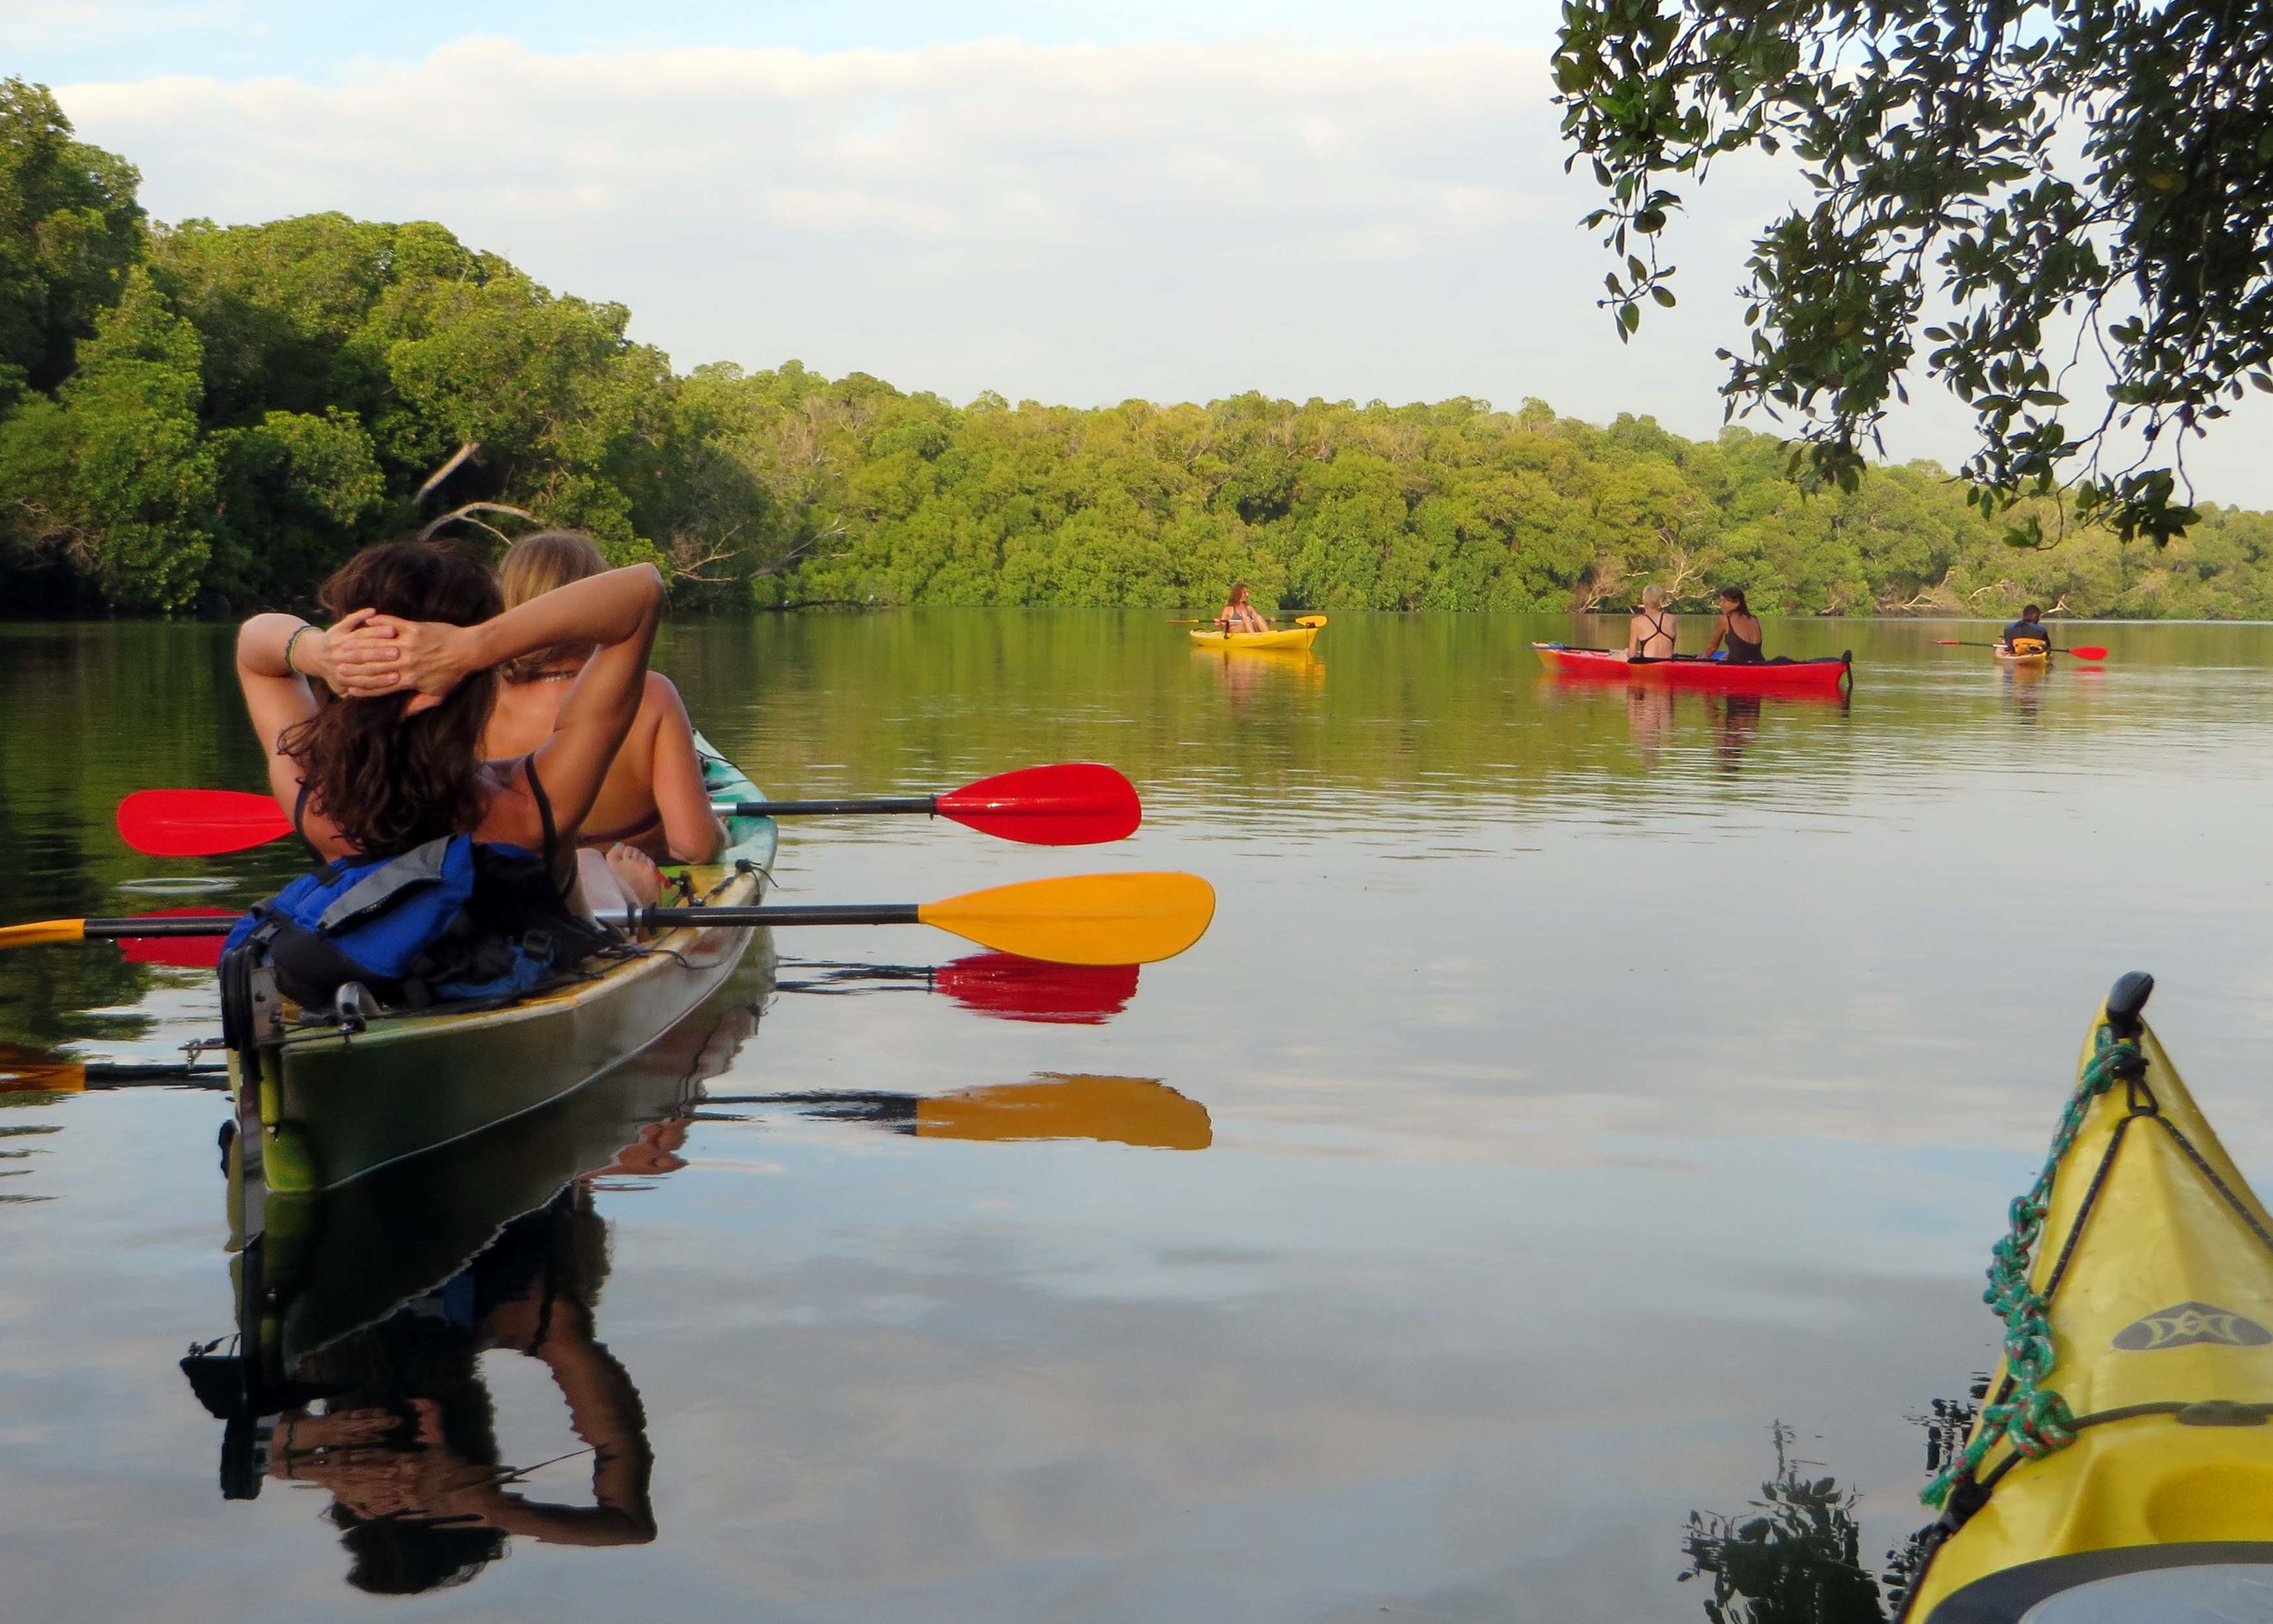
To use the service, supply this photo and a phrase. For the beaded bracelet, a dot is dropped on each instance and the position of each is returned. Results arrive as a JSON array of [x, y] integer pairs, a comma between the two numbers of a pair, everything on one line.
[[302, 631]]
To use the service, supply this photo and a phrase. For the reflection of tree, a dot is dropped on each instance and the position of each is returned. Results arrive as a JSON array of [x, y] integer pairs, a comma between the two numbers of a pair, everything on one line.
[[1795, 1559], [1946, 1426]]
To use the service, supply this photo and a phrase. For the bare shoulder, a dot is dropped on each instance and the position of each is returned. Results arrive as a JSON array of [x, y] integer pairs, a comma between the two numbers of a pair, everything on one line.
[[661, 694]]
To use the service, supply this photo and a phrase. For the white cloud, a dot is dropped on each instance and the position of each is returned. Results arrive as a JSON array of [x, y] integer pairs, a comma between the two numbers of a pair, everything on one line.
[[955, 216], [1081, 223]]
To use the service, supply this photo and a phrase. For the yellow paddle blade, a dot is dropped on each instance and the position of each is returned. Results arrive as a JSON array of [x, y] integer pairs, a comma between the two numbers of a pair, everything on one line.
[[1123, 1111], [42, 931], [1089, 918], [1310, 620]]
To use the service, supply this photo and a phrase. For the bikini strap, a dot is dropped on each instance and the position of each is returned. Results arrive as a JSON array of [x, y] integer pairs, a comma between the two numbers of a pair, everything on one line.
[[544, 806]]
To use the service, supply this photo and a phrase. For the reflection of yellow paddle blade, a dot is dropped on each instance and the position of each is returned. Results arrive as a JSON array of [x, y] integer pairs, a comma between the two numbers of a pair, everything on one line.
[[1123, 1111], [1089, 918], [30, 1071]]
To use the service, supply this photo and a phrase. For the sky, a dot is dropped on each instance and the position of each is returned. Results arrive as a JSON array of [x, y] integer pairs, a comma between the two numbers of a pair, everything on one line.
[[1076, 201]]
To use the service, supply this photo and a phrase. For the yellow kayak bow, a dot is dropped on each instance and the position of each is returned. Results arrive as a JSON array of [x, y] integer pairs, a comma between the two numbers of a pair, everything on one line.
[[2154, 1267]]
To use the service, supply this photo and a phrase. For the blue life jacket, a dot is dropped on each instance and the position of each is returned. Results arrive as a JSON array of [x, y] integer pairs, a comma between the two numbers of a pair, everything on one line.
[[456, 918]]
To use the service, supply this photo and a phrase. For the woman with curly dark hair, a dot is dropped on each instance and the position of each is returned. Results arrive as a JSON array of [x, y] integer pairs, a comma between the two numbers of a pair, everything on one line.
[[381, 753]]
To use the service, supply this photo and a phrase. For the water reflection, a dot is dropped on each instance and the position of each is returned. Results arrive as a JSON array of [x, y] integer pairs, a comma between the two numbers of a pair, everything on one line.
[[1006, 985], [1249, 674], [1736, 718], [1793, 1556], [371, 1318], [364, 1313], [1117, 1110]]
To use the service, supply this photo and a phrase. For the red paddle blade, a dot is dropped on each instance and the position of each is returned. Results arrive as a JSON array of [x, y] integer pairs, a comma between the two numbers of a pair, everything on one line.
[[2089, 654], [199, 823], [1011, 987], [181, 952], [1073, 803]]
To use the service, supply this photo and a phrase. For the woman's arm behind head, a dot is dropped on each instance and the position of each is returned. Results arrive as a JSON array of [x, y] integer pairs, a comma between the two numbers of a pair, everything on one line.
[[615, 612]]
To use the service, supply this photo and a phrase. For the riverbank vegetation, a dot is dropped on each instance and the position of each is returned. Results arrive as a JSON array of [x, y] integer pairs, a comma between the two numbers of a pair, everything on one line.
[[196, 417]]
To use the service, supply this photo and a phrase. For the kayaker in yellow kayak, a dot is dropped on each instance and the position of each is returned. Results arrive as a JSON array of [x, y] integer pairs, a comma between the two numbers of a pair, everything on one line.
[[1739, 627], [655, 798], [419, 635], [1240, 615], [2027, 636], [1649, 634]]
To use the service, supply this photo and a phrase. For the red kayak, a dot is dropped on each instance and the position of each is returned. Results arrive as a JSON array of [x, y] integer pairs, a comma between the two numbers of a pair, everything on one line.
[[1771, 677]]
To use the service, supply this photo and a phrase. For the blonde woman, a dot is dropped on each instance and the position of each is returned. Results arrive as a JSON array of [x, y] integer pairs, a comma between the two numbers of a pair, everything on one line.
[[1650, 636], [654, 800]]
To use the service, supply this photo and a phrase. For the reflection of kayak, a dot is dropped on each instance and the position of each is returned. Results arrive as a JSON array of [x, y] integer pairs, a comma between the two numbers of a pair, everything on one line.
[[361, 1278], [2157, 1262], [1606, 665], [333, 1101], [1300, 636]]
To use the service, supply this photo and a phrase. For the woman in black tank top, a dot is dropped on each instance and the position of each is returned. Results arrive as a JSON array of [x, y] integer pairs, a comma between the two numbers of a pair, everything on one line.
[[1740, 627]]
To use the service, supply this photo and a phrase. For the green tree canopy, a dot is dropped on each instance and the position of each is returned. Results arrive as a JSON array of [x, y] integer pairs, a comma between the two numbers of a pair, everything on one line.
[[239, 408], [69, 227]]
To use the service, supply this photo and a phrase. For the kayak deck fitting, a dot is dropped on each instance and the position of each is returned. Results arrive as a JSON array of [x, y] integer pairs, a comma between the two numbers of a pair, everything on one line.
[[2123, 1452]]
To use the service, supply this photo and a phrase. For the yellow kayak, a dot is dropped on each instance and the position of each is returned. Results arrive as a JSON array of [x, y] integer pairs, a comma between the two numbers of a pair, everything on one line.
[[2155, 1261], [2021, 662], [1300, 636]]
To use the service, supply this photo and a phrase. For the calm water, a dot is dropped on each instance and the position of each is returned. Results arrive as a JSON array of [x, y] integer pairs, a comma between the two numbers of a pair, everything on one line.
[[1572, 1088]]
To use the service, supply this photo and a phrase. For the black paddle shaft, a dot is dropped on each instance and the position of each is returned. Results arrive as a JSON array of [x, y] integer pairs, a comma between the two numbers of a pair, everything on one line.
[[193, 925], [882, 913], [926, 804], [653, 918]]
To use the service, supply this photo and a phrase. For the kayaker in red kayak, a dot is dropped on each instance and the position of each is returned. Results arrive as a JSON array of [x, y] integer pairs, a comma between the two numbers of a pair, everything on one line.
[[1240, 615], [1649, 634], [1739, 627], [655, 798]]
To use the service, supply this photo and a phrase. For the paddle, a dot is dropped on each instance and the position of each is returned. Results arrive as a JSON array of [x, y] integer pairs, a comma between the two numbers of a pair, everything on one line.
[[1085, 918], [1077, 802], [2090, 652], [1299, 620]]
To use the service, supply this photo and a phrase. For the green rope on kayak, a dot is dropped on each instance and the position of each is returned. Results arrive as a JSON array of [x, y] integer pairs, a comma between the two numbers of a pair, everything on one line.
[[2032, 1417]]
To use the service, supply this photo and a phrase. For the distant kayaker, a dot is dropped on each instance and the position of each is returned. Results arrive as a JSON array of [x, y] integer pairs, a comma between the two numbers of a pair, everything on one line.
[[2027, 635], [1739, 627], [397, 764], [655, 798], [1649, 634], [1240, 615]]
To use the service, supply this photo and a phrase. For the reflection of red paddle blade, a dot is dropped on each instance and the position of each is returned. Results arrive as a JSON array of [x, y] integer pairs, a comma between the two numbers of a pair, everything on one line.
[[182, 952], [1010, 988]]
